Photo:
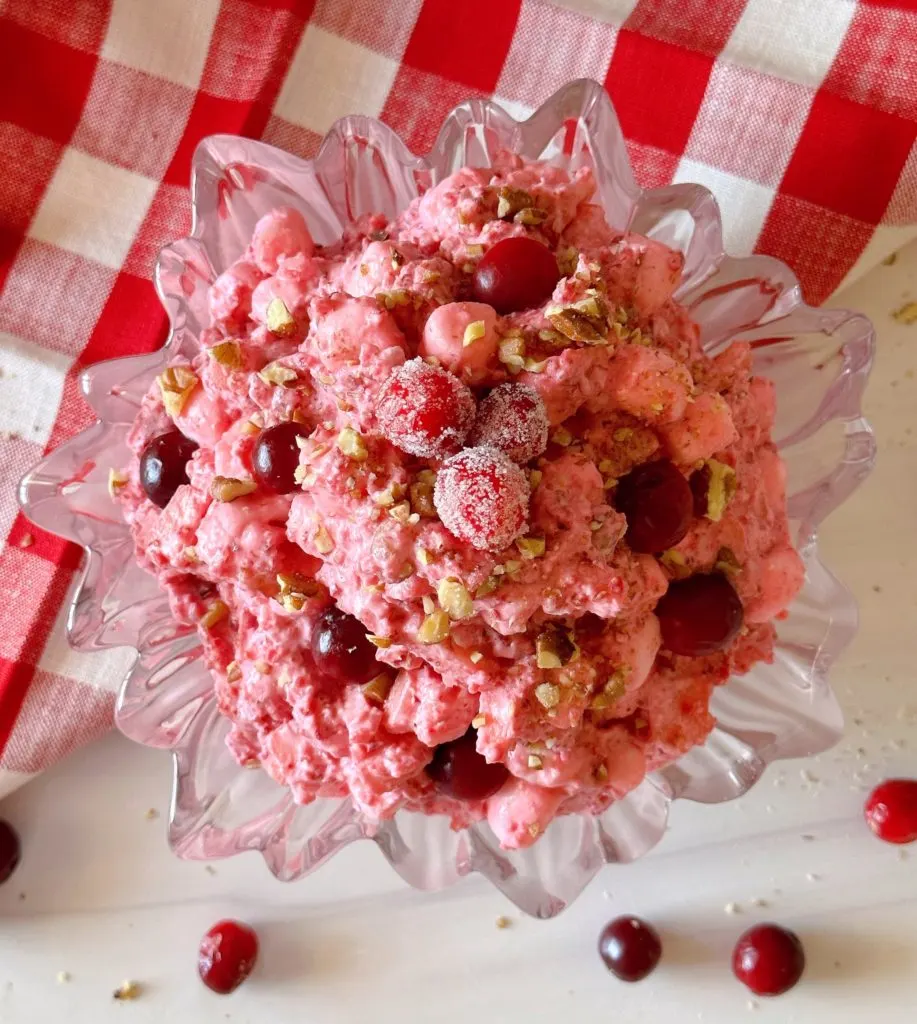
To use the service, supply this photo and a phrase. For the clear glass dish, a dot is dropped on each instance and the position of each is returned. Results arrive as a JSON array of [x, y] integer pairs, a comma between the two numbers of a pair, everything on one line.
[[819, 359]]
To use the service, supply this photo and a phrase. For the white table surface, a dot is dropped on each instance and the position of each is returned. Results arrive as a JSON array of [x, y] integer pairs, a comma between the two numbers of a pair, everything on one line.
[[98, 894]]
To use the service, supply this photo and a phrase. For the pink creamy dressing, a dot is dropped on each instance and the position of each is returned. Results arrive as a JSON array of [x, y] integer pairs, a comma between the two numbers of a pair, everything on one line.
[[354, 312]]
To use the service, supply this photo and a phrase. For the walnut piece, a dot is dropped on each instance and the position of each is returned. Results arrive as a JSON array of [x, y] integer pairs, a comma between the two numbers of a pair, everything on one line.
[[473, 332], [454, 598], [280, 320], [377, 689], [547, 695], [352, 444], [278, 375], [175, 385], [228, 354], [553, 647], [721, 484], [511, 200], [434, 629], [217, 611], [228, 488]]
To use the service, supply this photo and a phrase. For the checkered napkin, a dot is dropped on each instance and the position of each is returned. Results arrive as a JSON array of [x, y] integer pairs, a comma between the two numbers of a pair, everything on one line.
[[800, 115]]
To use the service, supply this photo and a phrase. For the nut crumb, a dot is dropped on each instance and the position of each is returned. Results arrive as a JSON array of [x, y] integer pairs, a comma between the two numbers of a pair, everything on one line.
[[26, 540], [152, 814], [210, 869], [128, 990], [812, 877], [63, 977], [732, 908], [503, 921], [906, 314]]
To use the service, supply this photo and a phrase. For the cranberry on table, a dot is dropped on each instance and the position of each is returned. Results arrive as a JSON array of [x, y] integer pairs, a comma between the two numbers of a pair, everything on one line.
[[482, 497], [460, 771], [517, 273], [276, 456], [227, 955], [657, 502], [340, 648], [768, 959], [512, 418], [9, 850], [424, 410], [163, 465], [700, 615], [891, 810], [630, 948]]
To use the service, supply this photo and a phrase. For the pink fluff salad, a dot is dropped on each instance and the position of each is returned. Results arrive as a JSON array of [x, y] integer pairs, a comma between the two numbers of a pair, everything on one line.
[[355, 533]]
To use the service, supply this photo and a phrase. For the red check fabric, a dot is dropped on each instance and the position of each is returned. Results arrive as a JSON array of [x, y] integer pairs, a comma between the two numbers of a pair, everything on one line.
[[800, 116]]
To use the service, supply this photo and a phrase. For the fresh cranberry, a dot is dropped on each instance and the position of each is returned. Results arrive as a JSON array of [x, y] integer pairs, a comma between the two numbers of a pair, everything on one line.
[[630, 948], [424, 410], [482, 497], [699, 615], [657, 502], [891, 810], [340, 648], [512, 418], [163, 465], [768, 959], [459, 770], [517, 273], [226, 956], [276, 456], [9, 850]]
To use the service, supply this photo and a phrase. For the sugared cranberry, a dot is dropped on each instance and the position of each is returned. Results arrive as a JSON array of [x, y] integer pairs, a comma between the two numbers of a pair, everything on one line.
[[630, 948], [9, 850], [227, 955], [768, 959], [512, 418], [459, 770], [699, 615], [517, 273], [424, 410], [340, 647], [482, 497], [276, 456], [163, 463], [891, 810], [657, 502]]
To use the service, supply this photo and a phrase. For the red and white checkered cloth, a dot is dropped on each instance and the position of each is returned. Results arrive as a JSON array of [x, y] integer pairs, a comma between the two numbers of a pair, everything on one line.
[[800, 115]]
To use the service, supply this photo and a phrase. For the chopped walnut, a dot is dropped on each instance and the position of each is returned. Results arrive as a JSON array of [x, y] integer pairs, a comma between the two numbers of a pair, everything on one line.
[[584, 321], [720, 483], [379, 641], [434, 629], [377, 689], [352, 445], [454, 598], [278, 375], [228, 488], [217, 611], [175, 385], [675, 562], [280, 320], [547, 695], [511, 352], [511, 201], [487, 587], [473, 332], [727, 563], [233, 672], [128, 990], [475, 657], [323, 542], [563, 437], [421, 491], [612, 691], [401, 512], [294, 590], [228, 354], [534, 762], [531, 216], [531, 547], [553, 647]]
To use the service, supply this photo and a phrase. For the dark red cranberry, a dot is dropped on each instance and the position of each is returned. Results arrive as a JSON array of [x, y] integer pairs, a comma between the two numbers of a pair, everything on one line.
[[768, 959], [656, 500], [163, 465], [699, 615], [459, 770], [340, 648], [276, 456], [226, 956], [517, 273], [630, 948], [891, 810], [9, 850]]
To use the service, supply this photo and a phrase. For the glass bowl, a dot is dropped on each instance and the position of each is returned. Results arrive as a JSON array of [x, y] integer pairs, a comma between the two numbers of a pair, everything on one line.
[[819, 359]]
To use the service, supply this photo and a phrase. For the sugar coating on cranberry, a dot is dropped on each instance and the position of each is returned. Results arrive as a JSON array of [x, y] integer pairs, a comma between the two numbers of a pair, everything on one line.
[[512, 418], [482, 497], [226, 956], [425, 410], [891, 810]]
